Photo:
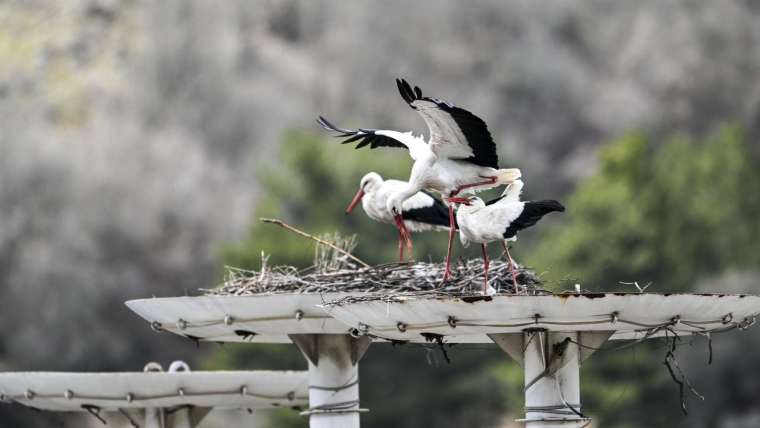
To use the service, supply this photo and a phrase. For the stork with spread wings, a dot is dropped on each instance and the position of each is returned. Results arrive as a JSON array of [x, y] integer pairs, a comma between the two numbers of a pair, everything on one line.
[[459, 156]]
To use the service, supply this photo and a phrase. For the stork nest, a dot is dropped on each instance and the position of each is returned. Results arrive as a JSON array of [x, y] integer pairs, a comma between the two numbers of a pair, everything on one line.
[[390, 278]]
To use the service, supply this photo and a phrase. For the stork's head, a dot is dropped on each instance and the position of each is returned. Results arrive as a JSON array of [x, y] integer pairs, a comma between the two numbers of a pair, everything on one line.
[[369, 183]]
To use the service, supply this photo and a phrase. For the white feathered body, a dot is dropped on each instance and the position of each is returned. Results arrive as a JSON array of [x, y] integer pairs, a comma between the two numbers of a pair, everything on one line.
[[482, 224], [442, 174], [375, 201]]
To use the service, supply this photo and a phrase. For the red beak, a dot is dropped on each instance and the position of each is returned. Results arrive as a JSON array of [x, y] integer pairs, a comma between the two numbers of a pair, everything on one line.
[[357, 198], [458, 200]]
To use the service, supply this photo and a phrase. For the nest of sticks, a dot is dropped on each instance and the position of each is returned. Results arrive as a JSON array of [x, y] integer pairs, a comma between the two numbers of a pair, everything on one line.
[[420, 277], [336, 270]]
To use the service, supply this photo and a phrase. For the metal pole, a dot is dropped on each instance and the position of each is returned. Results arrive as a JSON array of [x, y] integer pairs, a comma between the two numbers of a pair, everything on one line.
[[552, 380], [333, 378]]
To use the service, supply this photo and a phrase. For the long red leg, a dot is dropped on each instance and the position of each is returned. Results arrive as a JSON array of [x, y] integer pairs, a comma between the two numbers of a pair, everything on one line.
[[403, 231], [452, 231], [410, 248], [485, 270], [511, 267], [400, 246], [490, 180]]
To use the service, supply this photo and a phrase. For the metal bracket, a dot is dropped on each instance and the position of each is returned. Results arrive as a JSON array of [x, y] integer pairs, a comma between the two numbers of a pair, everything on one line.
[[309, 346], [510, 343], [513, 343], [590, 341]]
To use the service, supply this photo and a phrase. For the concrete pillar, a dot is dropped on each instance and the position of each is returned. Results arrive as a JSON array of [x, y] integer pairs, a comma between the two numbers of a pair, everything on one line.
[[154, 418], [333, 378], [552, 380], [551, 363]]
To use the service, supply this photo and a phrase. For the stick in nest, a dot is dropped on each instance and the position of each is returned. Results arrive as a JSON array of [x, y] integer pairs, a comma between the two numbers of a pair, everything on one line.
[[314, 238]]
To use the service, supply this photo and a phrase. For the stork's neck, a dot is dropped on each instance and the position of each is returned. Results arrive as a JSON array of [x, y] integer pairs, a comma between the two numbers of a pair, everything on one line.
[[513, 191]]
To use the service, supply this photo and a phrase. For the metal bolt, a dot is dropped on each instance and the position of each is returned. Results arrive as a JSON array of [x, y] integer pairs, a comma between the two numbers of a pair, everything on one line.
[[291, 395], [676, 320], [181, 324], [68, 394], [181, 392], [29, 394], [452, 322], [130, 397], [156, 326], [228, 320], [728, 318], [299, 315], [244, 390], [401, 327], [614, 317]]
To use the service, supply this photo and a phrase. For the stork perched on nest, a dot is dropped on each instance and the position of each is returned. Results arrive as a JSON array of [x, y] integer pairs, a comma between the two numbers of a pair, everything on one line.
[[421, 212], [460, 154], [499, 220]]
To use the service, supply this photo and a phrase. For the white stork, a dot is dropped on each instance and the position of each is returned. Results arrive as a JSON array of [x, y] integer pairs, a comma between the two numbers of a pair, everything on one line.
[[499, 220], [460, 154], [421, 212]]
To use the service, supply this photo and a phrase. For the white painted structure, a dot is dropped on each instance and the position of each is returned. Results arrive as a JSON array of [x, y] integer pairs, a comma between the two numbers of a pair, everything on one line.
[[332, 353], [549, 335], [175, 399]]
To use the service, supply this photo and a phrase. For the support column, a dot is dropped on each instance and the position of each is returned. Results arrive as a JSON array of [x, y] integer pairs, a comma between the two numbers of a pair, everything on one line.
[[552, 380], [180, 418], [333, 378], [551, 363], [154, 418]]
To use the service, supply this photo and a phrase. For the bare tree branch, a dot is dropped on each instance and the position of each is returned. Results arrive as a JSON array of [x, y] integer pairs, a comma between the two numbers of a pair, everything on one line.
[[314, 238]]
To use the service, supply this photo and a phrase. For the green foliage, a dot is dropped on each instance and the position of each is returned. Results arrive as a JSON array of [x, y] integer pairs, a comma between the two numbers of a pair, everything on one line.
[[668, 213], [671, 213]]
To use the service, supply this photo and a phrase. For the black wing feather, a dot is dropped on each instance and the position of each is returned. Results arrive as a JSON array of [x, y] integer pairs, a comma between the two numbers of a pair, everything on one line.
[[532, 212], [474, 128], [436, 214], [363, 136]]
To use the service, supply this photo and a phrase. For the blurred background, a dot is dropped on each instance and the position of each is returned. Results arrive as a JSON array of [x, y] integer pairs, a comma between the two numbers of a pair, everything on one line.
[[140, 142]]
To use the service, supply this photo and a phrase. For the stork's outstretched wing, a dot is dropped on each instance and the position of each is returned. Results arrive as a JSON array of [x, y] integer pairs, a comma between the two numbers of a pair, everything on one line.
[[454, 132], [365, 137]]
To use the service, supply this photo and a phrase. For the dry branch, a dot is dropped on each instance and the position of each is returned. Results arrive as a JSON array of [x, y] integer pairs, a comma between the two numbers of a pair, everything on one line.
[[314, 238]]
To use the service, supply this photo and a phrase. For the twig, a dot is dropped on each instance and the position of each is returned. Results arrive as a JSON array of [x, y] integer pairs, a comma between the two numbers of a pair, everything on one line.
[[314, 238], [636, 284]]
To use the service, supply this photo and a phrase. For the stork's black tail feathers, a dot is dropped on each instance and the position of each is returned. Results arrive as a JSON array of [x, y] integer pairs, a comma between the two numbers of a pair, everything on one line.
[[544, 207], [531, 214]]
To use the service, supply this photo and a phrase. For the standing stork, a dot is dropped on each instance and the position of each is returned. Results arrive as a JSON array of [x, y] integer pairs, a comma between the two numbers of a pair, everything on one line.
[[421, 212], [460, 154], [499, 220]]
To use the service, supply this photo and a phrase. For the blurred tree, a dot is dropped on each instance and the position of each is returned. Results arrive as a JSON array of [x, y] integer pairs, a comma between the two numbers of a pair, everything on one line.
[[670, 213]]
